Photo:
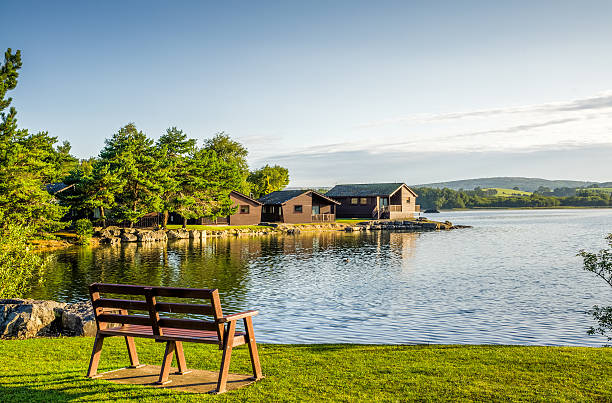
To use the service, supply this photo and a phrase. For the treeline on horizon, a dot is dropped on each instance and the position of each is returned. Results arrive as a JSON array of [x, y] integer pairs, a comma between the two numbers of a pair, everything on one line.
[[434, 198]]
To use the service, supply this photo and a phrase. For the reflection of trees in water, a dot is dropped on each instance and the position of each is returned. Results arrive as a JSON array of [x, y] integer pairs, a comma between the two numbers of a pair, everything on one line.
[[222, 263]]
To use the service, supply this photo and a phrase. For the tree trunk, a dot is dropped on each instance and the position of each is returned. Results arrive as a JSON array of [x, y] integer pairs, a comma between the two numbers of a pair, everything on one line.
[[102, 216], [165, 219]]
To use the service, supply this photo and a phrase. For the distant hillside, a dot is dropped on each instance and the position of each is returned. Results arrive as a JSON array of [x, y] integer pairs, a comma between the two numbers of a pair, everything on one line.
[[507, 182]]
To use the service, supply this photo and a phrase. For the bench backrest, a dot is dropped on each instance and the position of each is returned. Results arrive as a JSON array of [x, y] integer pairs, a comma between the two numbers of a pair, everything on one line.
[[148, 303]]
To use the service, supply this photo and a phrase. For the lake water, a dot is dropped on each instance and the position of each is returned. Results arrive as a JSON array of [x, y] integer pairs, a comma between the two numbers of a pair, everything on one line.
[[513, 278]]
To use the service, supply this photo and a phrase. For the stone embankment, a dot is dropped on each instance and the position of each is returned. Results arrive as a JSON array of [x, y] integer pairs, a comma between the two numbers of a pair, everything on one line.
[[113, 235], [408, 225], [26, 318]]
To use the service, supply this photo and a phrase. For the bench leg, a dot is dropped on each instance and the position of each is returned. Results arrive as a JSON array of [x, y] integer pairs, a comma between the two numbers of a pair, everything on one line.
[[131, 347], [165, 369], [250, 334], [228, 342], [95, 356], [180, 358]]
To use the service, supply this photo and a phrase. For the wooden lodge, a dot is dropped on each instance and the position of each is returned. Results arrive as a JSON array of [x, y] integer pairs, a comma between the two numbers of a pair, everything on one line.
[[248, 213], [297, 206], [374, 200]]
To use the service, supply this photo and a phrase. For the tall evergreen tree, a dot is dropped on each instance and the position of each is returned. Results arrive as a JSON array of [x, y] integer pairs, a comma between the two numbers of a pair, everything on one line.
[[233, 153], [173, 150], [207, 185], [131, 160], [27, 163]]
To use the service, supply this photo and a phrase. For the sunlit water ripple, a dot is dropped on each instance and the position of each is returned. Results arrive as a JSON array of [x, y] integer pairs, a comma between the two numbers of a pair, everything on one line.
[[513, 278]]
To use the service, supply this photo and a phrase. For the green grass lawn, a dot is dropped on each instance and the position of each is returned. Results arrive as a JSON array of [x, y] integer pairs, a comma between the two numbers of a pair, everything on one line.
[[351, 220], [53, 370]]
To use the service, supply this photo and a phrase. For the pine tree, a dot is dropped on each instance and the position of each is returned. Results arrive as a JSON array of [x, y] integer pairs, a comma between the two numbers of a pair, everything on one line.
[[28, 162], [131, 160], [173, 150]]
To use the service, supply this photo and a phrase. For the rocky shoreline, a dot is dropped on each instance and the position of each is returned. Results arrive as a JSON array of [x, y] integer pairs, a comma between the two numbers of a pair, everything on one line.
[[27, 318]]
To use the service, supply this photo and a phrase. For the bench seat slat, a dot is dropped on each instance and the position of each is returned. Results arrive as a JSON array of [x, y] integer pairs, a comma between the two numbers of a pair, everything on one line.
[[184, 308], [125, 319], [188, 324], [121, 304]]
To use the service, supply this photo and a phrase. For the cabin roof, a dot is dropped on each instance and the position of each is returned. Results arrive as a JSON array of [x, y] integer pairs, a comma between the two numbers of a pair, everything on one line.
[[283, 196], [364, 189], [246, 197]]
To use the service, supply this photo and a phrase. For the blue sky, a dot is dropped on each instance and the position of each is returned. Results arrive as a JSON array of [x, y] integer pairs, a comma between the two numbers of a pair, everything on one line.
[[335, 91]]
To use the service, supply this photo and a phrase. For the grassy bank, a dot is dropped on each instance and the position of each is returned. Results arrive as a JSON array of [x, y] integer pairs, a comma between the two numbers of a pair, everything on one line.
[[53, 370]]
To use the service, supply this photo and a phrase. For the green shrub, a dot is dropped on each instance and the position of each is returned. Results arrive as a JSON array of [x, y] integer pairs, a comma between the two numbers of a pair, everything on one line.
[[84, 230], [19, 265], [600, 263]]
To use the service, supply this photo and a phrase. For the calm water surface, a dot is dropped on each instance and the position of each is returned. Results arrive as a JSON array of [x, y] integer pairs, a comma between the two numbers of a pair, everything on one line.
[[512, 279]]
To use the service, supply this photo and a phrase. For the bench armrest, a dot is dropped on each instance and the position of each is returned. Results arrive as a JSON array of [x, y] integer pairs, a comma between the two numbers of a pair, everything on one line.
[[236, 316]]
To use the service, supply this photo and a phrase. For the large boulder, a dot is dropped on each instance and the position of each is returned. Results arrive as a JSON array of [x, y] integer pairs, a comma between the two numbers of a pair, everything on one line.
[[178, 234], [110, 232], [110, 240], [127, 237], [195, 234], [23, 318], [78, 320]]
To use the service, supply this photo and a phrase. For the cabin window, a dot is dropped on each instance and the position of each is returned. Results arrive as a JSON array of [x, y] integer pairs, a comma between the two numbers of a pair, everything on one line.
[[408, 200], [354, 200], [363, 200], [316, 210], [297, 208], [244, 209]]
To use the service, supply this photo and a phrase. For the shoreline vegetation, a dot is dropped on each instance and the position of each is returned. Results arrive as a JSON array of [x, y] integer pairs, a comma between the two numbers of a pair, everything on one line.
[[53, 369]]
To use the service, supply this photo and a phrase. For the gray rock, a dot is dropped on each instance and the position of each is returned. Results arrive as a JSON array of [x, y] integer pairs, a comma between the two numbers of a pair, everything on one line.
[[178, 234], [110, 240], [22, 318], [78, 320], [127, 237], [195, 234]]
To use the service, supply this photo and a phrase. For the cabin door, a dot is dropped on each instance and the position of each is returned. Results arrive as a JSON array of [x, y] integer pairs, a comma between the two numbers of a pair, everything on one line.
[[384, 201]]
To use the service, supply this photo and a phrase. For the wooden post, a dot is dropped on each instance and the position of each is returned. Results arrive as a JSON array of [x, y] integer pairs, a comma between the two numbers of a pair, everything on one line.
[[131, 346], [228, 342], [95, 356], [153, 312], [250, 336], [165, 369], [180, 358]]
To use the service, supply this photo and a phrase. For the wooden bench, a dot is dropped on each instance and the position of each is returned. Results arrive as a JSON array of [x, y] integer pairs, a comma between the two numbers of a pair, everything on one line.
[[220, 330]]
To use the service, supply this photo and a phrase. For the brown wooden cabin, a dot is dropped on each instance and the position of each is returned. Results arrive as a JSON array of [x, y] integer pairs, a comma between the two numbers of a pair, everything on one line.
[[249, 213], [297, 206], [374, 200]]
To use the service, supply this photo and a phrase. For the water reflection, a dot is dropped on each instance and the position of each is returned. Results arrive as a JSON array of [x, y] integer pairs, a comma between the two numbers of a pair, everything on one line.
[[514, 278]]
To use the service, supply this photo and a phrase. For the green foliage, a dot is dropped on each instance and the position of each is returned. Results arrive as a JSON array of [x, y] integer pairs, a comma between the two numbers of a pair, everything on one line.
[[129, 161], [233, 153], [268, 179], [19, 265], [27, 163], [173, 150], [84, 231], [600, 263], [206, 186]]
